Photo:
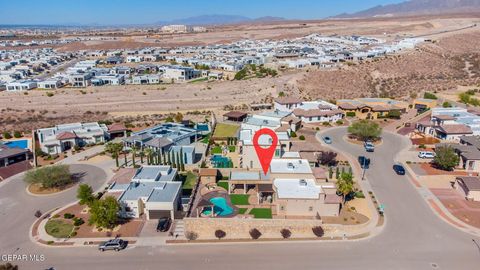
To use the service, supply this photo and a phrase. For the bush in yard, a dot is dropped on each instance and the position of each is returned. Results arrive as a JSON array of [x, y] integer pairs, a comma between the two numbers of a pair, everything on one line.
[[191, 236], [394, 114], [78, 221], [17, 134], [301, 138], [255, 233], [446, 158], [365, 130], [6, 135], [327, 158], [85, 195], [351, 114], [55, 176], [220, 234], [428, 95], [103, 213], [293, 134], [286, 233], [318, 231], [68, 215]]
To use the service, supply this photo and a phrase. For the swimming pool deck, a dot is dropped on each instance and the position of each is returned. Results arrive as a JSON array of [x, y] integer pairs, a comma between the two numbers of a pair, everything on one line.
[[220, 194]]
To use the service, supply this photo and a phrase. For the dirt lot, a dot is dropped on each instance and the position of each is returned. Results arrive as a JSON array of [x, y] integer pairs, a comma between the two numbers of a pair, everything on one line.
[[451, 60]]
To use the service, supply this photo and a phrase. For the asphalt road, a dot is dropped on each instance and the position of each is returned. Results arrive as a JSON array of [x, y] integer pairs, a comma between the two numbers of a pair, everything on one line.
[[413, 237]]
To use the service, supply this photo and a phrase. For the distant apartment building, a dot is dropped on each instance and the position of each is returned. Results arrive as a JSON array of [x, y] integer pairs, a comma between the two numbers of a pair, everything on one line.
[[176, 28], [60, 138]]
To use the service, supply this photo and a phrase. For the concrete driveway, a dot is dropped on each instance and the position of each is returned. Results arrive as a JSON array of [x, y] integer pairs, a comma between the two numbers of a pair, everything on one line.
[[413, 237]]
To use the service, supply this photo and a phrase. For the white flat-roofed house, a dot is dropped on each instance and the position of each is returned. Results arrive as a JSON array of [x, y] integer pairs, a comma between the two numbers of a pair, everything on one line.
[[109, 79], [152, 192], [21, 85], [50, 84], [179, 73], [304, 198], [134, 59], [146, 79], [248, 155], [60, 138], [80, 79]]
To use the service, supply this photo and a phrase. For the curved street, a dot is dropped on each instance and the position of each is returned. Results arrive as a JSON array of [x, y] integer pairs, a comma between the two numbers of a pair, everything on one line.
[[413, 236]]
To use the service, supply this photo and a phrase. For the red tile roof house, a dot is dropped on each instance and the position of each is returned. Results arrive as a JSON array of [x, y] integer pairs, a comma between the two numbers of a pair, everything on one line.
[[55, 140]]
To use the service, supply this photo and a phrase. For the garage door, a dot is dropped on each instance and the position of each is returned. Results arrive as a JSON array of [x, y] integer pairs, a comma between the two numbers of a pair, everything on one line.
[[156, 214]]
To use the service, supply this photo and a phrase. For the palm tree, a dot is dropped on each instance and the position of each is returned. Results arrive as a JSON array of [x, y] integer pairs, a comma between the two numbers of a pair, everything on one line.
[[142, 154], [114, 149], [148, 152], [134, 152]]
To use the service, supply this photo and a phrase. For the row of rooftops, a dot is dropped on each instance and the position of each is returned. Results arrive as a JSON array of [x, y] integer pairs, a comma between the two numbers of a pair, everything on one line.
[[149, 183]]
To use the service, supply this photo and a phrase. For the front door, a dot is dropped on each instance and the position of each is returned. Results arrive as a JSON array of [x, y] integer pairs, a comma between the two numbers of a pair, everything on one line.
[[67, 146]]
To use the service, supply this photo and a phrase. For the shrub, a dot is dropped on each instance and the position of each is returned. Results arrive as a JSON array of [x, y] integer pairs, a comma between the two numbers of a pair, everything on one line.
[[7, 135], [255, 233], [220, 234], [351, 114], [339, 122], [68, 215], [318, 231], [73, 234], [78, 221], [428, 95], [50, 242], [286, 233], [50, 177], [293, 134], [56, 216], [50, 94], [301, 138], [17, 134], [191, 236]]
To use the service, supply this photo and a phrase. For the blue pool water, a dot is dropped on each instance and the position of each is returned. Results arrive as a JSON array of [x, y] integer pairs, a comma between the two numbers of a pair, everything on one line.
[[17, 144], [221, 207], [221, 161]]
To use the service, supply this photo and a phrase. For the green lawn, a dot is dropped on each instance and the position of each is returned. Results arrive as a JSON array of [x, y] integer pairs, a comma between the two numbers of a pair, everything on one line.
[[261, 212], [225, 130], [58, 228], [242, 210], [239, 199], [223, 184], [189, 179], [217, 150]]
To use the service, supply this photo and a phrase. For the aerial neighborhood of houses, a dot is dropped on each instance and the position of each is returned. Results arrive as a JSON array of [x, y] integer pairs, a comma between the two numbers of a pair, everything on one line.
[[46, 68], [203, 178]]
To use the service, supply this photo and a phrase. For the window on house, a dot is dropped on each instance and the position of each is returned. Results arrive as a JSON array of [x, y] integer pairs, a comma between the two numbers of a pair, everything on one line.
[[310, 208]]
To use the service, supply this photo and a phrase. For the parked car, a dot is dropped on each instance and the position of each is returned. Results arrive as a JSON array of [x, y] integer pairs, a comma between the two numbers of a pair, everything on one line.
[[364, 162], [369, 147], [327, 140], [399, 169], [425, 154], [116, 244], [163, 224]]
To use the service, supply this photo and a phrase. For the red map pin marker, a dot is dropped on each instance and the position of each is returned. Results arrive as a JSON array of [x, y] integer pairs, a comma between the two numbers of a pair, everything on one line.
[[265, 155]]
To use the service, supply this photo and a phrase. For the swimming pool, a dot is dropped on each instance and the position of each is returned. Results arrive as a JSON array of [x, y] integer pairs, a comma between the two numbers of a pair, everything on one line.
[[219, 161], [17, 144], [220, 207]]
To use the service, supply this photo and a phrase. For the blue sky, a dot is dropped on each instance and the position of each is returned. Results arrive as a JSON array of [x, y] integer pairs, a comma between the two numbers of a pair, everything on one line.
[[107, 12]]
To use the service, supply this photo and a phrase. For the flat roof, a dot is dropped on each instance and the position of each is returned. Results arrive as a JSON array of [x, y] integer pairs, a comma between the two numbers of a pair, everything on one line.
[[290, 166], [297, 189]]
